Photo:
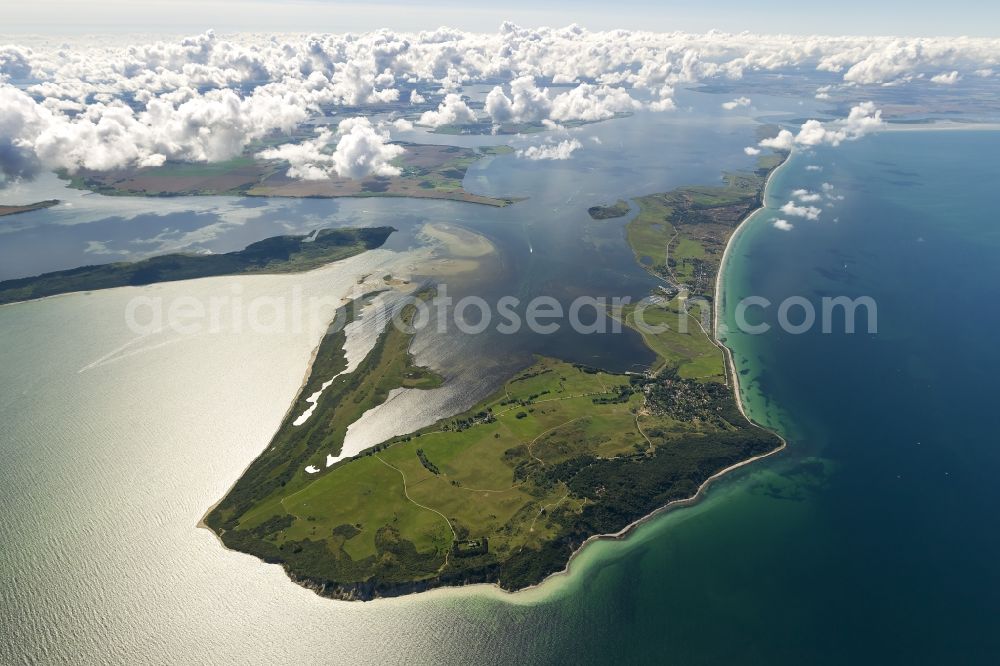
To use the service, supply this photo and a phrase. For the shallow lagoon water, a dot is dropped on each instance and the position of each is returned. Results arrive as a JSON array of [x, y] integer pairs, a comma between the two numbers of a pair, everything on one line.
[[854, 543]]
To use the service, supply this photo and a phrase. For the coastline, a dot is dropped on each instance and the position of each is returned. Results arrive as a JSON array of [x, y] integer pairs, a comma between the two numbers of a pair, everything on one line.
[[941, 126], [717, 304], [201, 524], [464, 197], [626, 531], [541, 589]]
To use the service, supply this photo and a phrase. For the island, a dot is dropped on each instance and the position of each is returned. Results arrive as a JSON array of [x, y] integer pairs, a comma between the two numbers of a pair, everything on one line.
[[619, 208], [278, 254], [38, 205], [426, 172], [507, 491]]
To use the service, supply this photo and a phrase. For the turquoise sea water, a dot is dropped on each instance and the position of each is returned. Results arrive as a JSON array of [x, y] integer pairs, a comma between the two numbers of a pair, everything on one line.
[[871, 539]]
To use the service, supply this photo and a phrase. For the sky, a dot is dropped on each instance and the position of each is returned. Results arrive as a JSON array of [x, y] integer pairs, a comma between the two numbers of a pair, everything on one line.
[[848, 17]]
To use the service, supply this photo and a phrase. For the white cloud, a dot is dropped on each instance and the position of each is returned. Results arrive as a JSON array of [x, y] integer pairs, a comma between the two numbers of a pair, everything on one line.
[[751, 151], [589, 102], [529, 103], [946, 78], [360, 151], [808, 212], [784, 140], [550, 151], [212, 126], [119, 101], [738, 102], [784, 225], [15, 62], [806, 196], [862, 119], [666, 102], [452, 111]]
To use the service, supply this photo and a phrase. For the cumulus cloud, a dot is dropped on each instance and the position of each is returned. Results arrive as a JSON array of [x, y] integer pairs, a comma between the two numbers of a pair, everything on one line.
[[550, 151], [808, 212], [452, 111], [360, 151], [589, 102], [106, 104], [216, 125], [738, 102], [806, 196], [784, 140], [784, 225], [751, 151], [665, 103], [15, 63], [529, 103], [861, 120], [946, 78]]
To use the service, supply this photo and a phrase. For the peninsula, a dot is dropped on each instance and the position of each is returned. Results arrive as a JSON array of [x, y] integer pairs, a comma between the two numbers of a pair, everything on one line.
[[38, 205], [279, 254], [507, 491], [426, 172]]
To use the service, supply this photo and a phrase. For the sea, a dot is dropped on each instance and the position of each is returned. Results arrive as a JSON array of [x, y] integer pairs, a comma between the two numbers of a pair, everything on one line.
[[870, 539]]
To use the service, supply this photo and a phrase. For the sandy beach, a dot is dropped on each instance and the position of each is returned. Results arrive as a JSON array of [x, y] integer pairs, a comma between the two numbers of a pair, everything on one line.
[[471, 247], [543, 590]]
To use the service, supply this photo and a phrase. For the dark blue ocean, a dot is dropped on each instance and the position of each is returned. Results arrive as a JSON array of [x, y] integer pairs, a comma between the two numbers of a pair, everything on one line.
[[874, 537]]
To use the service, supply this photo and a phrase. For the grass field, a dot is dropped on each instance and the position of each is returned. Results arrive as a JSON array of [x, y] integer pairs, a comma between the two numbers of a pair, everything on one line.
[[680, 235], [684, 346], [500, 493], [282, 469], [505, 491]]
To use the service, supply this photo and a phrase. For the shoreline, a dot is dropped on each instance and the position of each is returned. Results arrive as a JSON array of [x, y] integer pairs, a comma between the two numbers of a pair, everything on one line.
[[940, 126], [717, 304], [305, 381], [465, 197], [566, 572], [626, 531]]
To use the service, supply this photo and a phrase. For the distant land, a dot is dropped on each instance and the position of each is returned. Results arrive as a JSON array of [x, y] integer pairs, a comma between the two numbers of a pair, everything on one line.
[[428, 172], [486, 126], [507, 491], [279, 254], [14, 210]]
